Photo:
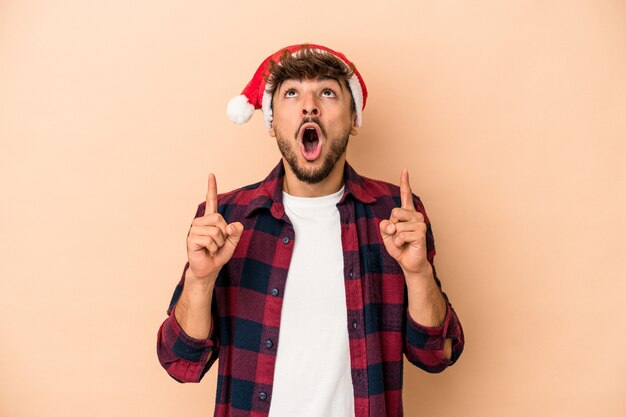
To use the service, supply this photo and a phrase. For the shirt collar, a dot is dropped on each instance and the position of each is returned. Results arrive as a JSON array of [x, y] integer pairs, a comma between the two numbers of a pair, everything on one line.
[[269, 193]]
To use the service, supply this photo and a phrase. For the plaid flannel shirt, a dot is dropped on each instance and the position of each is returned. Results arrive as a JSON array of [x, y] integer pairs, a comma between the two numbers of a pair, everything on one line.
[[248, 296]]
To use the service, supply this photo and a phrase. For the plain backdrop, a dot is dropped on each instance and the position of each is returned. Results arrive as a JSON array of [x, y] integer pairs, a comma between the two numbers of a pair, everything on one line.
[[509, 115]]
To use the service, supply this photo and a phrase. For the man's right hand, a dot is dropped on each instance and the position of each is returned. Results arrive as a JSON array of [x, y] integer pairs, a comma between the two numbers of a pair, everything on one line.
[[211, 241]]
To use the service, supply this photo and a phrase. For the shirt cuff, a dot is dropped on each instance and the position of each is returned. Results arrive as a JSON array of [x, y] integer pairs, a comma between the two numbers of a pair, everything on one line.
[[425, 337], [190, 348]]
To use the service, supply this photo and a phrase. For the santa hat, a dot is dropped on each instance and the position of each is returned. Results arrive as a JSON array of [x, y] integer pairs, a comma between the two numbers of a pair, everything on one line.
[[257, 94]]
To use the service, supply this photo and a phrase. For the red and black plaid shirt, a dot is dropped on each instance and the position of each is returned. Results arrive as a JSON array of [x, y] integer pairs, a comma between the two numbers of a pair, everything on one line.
[[249, 294]]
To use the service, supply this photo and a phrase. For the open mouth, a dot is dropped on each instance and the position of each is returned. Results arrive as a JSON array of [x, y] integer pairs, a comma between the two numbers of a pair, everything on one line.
[[310, 139]]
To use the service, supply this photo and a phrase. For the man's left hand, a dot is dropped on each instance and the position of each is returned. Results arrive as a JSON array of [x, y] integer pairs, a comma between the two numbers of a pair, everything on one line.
[[404, 234]]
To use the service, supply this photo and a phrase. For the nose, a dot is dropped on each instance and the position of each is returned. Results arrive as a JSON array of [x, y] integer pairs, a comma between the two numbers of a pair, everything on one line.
[[310, 107]]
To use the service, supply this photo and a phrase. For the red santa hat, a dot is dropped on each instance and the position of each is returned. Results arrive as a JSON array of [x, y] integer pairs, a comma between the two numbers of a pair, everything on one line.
[[257, 94]]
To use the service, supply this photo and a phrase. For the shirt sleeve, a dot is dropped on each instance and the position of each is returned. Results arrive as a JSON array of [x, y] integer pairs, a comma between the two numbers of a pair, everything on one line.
[[186, 359], [423, 346]]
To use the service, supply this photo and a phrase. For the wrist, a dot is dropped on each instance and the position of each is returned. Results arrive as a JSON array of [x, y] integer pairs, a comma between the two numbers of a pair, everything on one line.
[[207, 282], [197, 291], [427, 305], [423, 276]]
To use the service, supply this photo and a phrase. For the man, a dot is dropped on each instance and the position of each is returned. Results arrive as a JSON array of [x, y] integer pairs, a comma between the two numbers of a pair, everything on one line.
[[310, 285]]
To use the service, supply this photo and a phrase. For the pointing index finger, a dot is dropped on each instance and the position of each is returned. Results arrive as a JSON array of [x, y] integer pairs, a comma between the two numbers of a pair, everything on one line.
[[211, 196], [406, 195]]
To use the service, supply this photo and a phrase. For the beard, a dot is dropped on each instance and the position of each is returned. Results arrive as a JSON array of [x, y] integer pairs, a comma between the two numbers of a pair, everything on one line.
[[337, 145]]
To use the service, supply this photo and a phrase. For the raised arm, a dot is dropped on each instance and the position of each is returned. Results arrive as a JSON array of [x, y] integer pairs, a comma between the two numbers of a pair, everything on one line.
[[186, 339], [434, 338]]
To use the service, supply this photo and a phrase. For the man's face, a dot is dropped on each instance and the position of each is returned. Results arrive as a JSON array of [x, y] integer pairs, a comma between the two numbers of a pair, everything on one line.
[[312, 123]]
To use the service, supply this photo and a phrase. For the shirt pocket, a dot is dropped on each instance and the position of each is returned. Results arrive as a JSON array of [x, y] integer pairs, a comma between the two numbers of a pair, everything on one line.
[[385, 285]]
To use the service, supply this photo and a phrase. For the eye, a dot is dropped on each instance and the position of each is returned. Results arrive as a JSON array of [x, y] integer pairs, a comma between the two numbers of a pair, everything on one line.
[[328, 93], [290, 93]]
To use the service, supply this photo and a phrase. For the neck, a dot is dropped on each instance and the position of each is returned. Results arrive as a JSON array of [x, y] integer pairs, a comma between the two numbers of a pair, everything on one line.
[[329, 185]]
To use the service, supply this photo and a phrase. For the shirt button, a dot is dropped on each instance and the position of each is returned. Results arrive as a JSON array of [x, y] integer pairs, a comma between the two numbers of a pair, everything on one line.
[[355, 325], [350, 274], [275, 292], [286, 240], [268, 344], [262, 396]]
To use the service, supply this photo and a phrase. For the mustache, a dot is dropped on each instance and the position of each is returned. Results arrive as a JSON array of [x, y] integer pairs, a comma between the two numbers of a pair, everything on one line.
[[312, 119]]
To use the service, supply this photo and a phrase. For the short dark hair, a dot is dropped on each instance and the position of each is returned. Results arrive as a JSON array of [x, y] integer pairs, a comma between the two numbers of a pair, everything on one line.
[[309, 63]]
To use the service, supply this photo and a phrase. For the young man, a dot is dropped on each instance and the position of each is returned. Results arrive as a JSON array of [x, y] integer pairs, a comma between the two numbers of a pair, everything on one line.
[[310, 285]]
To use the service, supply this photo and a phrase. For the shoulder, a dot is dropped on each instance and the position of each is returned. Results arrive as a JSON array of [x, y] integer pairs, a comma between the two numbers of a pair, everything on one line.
[[386, 194], [239, 196], [379, 188]]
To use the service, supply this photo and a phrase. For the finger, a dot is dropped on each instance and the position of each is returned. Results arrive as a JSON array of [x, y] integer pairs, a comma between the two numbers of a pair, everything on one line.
[[203, 242], [211, 231], [211, 196], [410, 226], [387, 228], [214, 219], [212, 248], [217, 236], [405, 215], [406, 195], [407, 237]]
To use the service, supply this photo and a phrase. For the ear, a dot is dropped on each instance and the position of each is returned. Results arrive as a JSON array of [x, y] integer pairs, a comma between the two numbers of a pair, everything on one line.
[[354, 130], [271, 131]]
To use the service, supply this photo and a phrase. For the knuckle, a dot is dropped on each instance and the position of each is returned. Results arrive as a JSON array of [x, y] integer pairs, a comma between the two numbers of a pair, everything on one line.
[[195, 231], [217, 237], [194, 244], [215, 218]]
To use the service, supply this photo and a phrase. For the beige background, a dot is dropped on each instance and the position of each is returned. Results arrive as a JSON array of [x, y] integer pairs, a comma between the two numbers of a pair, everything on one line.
[[509, 115]]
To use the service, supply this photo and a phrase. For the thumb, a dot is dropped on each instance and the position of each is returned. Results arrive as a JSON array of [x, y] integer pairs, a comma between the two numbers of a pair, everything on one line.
[[234, 230], [387, 228]]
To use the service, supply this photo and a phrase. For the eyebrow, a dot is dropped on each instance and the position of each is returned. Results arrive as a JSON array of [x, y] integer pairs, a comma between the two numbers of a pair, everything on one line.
[[321, 78], [332, 79]]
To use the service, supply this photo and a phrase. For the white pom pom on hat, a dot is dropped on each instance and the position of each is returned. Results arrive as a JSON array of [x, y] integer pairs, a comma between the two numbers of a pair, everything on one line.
[[256, 95], [239, 109]]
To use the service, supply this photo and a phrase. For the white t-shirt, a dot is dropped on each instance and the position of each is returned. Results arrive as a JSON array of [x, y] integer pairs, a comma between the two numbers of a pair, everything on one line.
[[313, 374]]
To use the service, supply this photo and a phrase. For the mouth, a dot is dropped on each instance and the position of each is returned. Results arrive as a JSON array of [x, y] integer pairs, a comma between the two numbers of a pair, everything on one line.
[[311, 141]]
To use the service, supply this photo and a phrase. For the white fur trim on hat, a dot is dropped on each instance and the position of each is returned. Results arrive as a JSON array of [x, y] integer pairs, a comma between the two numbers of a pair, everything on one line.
[[266, 107], [357, 95]]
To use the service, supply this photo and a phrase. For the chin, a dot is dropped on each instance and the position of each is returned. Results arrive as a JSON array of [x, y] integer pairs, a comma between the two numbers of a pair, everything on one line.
[[313, 172]]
